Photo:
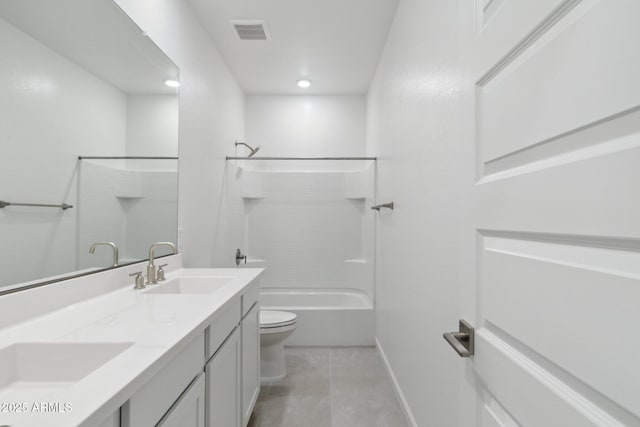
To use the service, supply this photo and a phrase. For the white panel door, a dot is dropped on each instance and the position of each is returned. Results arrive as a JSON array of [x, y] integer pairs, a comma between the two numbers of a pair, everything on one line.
[[223, 381], [555, 205]]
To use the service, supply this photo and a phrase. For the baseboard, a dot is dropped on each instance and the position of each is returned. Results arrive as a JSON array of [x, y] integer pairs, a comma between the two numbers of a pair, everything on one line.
[[396, 387]]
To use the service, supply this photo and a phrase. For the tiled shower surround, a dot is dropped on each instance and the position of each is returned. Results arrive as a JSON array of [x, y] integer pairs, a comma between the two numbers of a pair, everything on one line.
[[310, 225]]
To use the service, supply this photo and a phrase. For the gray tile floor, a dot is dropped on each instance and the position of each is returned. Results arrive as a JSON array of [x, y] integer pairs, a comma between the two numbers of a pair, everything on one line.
[[329, 387]]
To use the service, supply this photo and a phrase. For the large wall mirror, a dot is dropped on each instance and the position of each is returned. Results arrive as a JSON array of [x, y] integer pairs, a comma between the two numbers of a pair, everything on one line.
[[88, 124]]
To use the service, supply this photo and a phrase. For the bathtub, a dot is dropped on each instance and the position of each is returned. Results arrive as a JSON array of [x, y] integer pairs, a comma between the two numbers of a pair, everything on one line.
[[335, 317]]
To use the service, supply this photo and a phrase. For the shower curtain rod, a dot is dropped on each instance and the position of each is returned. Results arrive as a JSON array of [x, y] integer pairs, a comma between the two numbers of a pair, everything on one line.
[[125, 158], [301, 158], [63, 206]]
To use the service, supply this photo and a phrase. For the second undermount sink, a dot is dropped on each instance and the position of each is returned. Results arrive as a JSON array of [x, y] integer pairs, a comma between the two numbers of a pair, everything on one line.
[[29, 366], [191, 285]]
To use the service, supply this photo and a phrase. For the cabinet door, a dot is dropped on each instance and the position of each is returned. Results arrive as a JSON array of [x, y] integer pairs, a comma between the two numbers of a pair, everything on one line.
[[112, 421], [223, 384], [188, 411], [250, 362]]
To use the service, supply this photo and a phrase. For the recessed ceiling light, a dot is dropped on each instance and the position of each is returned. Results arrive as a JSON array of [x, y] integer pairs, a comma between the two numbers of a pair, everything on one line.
[[304, 83], [172, 83]]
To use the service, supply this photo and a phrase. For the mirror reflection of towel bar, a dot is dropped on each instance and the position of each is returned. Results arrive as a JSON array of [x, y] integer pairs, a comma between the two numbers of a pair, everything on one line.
[[384, 205], [64, 206]]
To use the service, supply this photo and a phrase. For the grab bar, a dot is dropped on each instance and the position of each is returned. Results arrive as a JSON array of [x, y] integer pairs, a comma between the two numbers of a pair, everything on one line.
[[64, 206], [384, 205], [300, 158]]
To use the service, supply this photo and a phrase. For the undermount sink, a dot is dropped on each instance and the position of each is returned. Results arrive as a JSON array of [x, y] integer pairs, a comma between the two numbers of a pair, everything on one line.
[[51, 366], [191, 285]]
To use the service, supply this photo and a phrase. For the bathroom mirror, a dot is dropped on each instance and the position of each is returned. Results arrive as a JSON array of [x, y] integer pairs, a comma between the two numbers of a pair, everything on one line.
[[89, 125]]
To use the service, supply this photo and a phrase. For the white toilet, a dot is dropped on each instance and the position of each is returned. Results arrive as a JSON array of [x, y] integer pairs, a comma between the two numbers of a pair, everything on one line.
[[275, 327]]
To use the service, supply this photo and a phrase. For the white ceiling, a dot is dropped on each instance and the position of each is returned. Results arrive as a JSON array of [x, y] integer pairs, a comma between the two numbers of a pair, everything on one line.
[[97, 36], [334, 43]]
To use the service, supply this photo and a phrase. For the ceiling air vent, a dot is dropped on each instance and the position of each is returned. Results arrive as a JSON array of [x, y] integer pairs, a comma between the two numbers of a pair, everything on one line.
[[251, 30]]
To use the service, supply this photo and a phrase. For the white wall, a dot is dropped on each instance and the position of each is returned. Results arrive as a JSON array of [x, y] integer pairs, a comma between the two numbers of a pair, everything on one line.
[[309, 229], [152, 125], [414, 123], [306, 125], [211, 119], [51, 111]]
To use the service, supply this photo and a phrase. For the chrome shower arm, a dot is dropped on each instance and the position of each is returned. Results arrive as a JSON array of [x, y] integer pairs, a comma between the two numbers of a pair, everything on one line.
[[253, 150]]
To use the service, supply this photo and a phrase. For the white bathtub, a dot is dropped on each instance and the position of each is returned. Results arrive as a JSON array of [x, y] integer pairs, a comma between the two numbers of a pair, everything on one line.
[[335, 317]]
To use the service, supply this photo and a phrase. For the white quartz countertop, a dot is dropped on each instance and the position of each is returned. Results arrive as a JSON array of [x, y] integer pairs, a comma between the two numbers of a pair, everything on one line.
[[158, 326]]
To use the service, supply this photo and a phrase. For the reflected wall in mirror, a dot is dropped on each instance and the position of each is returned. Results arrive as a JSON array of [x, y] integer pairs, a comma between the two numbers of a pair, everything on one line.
[[79, 78]]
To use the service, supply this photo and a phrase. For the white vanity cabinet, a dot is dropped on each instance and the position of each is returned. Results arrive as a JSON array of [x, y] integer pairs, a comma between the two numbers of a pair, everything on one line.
[[250, 337], [188, 411], [214, 381], [223, 376], [233, 373]]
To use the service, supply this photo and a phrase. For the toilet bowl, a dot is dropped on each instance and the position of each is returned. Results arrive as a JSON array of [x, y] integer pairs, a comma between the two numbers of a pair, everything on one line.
[[275, 327]]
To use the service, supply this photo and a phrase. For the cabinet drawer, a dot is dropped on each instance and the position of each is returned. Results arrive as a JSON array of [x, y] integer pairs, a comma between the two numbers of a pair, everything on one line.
[[250, 296], [153, 400], [221, 327]]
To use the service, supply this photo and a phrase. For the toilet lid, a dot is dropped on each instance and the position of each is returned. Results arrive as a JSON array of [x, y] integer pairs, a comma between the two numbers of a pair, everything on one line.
[[274, 319]]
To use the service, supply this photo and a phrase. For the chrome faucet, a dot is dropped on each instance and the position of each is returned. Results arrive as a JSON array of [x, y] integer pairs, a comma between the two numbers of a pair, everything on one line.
[[151, 268], [113, 246]]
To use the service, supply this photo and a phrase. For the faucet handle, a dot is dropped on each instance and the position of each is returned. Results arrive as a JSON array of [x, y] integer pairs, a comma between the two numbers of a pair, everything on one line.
[[240, 257], [139, 280], [160, 274]]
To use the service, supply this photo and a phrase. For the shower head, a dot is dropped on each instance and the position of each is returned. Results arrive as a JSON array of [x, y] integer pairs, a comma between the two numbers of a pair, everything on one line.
[[253, 150]]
